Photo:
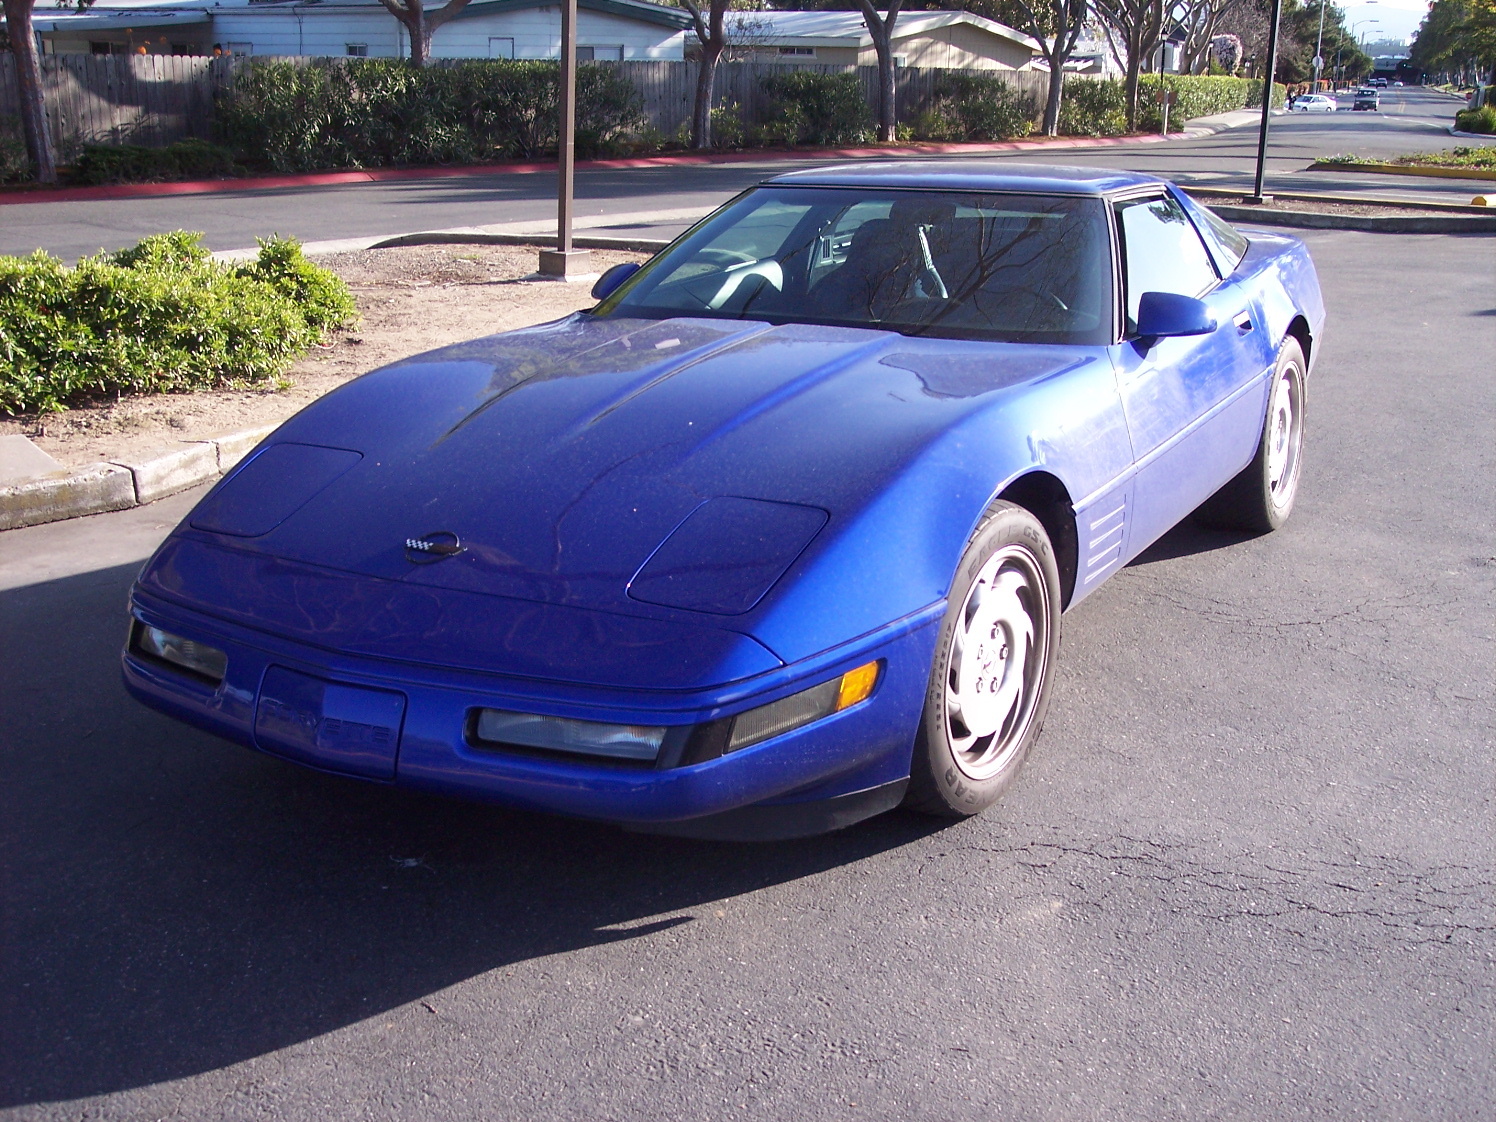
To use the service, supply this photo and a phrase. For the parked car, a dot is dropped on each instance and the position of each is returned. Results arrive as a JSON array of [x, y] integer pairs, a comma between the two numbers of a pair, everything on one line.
[[1397, 85], [1313, 103], [1366, 98], [778, 535]]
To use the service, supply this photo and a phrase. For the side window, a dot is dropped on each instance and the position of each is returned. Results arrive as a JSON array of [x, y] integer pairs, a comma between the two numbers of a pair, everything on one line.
[[1161, 252], [836, 237], [1228, 243]]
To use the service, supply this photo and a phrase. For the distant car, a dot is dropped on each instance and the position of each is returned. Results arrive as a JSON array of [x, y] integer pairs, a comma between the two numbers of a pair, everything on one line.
[[776, 536], [1314, 103], [1366, 98], [1378, 83], [1397, 85]]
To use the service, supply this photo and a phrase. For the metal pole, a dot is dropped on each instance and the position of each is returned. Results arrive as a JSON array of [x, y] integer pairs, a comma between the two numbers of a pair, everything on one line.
[[564, 262], [568, 154], [1319, 42], [1267, 101]]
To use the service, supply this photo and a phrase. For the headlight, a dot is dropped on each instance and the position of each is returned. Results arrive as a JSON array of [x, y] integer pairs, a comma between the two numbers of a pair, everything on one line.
[[802, 708], [188, 654], [562, 734]]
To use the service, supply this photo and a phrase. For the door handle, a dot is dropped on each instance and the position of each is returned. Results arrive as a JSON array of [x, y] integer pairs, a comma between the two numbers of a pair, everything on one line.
[[1243, 321]]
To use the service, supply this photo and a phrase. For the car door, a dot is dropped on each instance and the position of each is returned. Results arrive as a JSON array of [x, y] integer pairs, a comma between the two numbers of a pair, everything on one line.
[[1194, 404]]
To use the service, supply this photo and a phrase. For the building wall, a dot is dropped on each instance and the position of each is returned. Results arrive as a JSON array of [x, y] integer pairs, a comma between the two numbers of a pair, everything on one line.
[[955, 45], [534, 32]]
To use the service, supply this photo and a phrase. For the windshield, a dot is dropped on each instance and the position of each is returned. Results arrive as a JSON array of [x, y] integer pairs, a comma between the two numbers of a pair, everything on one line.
[[1022, 268]]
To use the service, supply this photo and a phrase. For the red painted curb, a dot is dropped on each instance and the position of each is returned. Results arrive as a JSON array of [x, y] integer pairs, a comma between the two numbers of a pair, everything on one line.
[[517, 167]]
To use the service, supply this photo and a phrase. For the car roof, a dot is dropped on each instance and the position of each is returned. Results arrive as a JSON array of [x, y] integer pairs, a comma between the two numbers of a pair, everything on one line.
[[971, 175]]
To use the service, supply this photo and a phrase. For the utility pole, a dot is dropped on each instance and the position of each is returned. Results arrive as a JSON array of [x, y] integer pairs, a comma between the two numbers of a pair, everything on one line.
[[564, 262], [1267, 103]]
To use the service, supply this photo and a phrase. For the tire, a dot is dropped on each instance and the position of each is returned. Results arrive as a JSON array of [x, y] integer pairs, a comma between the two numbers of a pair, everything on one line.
[[970, 747], [1261, 497]]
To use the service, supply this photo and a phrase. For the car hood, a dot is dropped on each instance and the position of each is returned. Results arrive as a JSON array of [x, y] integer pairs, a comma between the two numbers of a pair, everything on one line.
[[562, 458]]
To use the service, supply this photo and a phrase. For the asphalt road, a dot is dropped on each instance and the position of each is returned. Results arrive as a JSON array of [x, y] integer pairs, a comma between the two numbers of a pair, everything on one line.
[[659, 201], [1248, 872]]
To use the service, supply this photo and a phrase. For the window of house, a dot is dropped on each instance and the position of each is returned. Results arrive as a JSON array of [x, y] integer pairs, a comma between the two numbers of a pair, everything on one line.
[[97, 48], [500, 47], [607, 53], [798, 52], [239, 48], [182, 49], [356, 50]]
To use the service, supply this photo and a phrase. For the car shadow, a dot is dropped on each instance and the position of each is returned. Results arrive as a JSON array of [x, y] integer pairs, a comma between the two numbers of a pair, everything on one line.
[[1187, 539], [174, 904]]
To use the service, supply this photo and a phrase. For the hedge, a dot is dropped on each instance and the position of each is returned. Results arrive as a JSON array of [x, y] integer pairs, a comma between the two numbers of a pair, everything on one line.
[[975, 107], [159, 317], [808, 107], [1098, 106], [378, 112], [134, 163]]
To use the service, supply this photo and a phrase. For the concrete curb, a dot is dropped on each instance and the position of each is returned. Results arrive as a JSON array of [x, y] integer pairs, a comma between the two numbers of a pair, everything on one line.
[[1403, 169], [1206, 193], [477, 237], [99, 488], [1471, 135]]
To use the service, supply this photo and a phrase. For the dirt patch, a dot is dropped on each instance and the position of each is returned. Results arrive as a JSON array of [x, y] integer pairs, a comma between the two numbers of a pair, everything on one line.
[[412, 299]]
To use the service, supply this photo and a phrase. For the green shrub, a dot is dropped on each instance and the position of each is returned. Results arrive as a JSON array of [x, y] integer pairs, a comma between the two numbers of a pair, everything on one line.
[[975, 107], [1481, 120], [809, 107], [134, 163], [380, 112], [1093, 107], [15, 164], [728, 130], [160, 317]]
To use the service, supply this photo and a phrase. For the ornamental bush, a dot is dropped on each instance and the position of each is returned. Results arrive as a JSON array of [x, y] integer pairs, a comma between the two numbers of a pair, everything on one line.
[[332, 113], [159, 317], [1481, 120], [809, 107], [1098, 107], [134, 163], [975, 107]]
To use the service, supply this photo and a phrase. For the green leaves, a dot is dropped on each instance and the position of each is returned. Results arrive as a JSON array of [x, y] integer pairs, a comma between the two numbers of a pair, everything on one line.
[[381, 112], [808, 107], [976, 107], [159, 317]]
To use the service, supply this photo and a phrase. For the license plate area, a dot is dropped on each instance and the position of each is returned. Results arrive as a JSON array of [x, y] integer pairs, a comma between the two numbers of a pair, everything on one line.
[[329, 725]]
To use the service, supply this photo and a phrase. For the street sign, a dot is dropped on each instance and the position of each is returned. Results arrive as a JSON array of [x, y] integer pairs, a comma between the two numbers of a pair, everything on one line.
[[1319, 62], [1166, 97]]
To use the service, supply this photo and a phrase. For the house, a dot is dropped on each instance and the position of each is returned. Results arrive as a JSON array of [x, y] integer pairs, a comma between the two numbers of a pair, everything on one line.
[[606, 29], [933, 39]]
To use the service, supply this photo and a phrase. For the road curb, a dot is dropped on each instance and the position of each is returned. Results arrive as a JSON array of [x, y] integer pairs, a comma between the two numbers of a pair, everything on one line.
[[1471, 135], [474, 237], [103, 487], [532, 167]]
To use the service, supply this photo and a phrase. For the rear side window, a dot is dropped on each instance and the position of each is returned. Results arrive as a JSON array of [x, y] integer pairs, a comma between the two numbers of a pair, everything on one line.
[[1161, 252], [1226, 242]]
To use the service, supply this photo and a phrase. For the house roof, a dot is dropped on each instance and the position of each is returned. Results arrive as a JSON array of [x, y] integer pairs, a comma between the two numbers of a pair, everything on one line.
[[162, 13], [847, 29]]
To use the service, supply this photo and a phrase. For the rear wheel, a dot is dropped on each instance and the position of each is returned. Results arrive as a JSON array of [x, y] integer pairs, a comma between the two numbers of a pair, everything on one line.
[[1261, 496], [989, 684]]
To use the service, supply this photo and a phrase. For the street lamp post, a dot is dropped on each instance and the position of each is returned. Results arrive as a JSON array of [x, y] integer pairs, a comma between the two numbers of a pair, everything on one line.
[[1267, 103]]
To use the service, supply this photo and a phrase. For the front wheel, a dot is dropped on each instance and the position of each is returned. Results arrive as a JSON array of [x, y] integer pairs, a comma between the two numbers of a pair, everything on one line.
[[989, 683], [1260, 498]]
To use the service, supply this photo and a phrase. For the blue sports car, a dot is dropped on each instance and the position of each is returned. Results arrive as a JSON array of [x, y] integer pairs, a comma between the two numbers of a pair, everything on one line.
[[778, 535]]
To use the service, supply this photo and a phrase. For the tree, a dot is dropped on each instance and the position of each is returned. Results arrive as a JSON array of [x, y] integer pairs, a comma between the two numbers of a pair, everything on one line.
[[1137, 25], [1199, 20], [22, 44], [881, 29], [420, 24], [711, 39], [1055, 24], [1457, 39]]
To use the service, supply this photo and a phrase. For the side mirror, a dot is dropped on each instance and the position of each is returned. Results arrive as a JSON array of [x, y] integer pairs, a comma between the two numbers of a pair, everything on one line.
[[1165, 314], [609, 282]]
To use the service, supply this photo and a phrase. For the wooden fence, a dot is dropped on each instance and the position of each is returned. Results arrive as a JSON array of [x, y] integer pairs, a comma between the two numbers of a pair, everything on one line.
[[156, 99]]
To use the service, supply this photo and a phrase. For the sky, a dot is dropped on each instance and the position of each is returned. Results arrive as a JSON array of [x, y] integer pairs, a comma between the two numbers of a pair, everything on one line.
[[1399, 18]]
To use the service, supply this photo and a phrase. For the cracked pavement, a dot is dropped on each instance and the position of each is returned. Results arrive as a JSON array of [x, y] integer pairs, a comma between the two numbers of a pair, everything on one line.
[[1248, 872]]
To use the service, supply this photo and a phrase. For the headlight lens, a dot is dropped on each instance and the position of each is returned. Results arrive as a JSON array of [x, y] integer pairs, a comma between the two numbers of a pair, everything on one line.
[[802, 708], [562, 734], [198, 658]]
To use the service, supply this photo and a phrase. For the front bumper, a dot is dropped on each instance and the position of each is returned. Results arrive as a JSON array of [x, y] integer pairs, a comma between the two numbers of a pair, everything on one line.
[[408, 724]]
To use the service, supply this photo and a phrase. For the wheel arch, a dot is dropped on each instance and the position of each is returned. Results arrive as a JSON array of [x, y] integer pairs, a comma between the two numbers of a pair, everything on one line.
[[1298, 328], [1045, 497]]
